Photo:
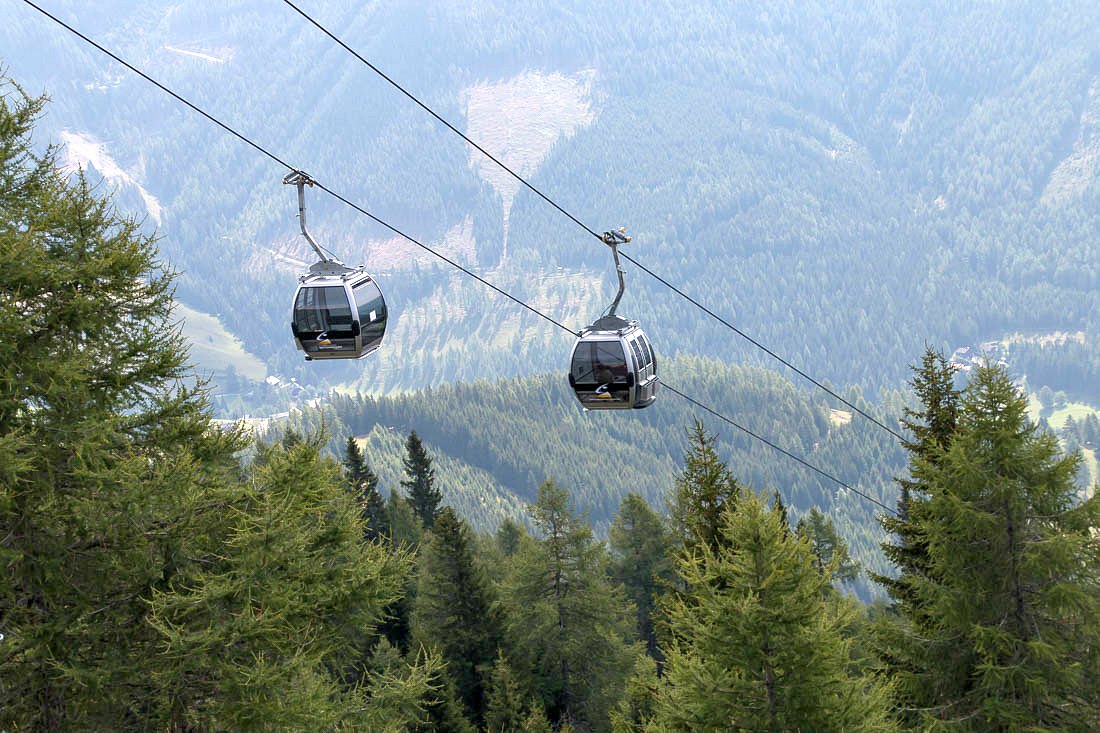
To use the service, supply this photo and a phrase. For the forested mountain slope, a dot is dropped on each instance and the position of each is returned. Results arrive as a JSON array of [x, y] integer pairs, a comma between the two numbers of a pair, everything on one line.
[[843, 182], [495, 442]]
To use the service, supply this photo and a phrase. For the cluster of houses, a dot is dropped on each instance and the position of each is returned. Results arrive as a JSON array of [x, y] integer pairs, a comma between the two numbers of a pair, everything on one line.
[[989, 352]]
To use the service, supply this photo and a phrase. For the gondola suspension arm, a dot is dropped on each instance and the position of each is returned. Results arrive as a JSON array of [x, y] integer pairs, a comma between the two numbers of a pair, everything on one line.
[[613, 240], [325, 265]]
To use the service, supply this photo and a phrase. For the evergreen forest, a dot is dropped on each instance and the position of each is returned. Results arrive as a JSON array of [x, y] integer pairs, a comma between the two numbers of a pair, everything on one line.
[[165, 570], [845, 182]]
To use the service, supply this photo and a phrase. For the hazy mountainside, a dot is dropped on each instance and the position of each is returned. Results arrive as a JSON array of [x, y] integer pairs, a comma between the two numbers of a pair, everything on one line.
[[495, 442], [844, 183]]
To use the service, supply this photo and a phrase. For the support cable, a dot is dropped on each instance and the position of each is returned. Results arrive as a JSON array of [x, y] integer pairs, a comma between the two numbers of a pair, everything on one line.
[[588, 229], [264, 151]]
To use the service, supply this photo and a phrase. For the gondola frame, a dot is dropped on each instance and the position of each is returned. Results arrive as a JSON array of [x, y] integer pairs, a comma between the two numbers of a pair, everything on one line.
[[365, 338], [640, 381]]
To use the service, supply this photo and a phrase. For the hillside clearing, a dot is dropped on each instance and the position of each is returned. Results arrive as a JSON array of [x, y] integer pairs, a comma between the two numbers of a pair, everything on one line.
[[215, 349]]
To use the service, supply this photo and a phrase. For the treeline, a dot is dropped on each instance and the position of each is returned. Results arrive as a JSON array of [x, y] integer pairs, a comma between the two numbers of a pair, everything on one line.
[[153, 580], [1071, 367], [499, 440]]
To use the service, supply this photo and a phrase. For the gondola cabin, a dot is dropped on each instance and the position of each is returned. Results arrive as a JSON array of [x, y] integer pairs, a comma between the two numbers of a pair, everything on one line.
[[613, 366], [338, 316]]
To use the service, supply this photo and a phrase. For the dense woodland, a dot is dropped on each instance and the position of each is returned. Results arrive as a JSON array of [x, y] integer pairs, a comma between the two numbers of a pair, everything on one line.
[[498, 441], [154, 580], [846, 182]]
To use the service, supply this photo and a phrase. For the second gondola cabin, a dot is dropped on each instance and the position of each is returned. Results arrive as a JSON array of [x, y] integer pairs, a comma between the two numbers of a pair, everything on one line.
[[613, 366], [338, 316]]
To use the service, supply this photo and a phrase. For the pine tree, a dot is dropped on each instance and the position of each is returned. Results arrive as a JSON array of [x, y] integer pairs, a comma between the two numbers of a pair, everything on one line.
[[640, 547], [509, 708], [701, 493], [420, 481], [759, 644], [933, 425], [569, 625], [829, 549], [1013, 588], [107, 451], [256, 635], [454, 609], [364, 485]]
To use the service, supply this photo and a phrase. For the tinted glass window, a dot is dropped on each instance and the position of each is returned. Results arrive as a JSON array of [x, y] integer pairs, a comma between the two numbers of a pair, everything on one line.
[[650, 357], [323, 309], [639, 355], [597, 362], [368, 301]]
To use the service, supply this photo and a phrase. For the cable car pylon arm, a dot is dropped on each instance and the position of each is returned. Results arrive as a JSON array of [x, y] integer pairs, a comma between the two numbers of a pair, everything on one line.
[[613, 240], [325, 264]]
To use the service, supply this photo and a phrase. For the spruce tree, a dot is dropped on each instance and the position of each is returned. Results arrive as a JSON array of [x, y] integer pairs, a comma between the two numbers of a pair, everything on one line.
[[640, 547], [932, 424], [454, 609], [759, 645], [257, 634], [829, 548], [569, 625], [420, 481], [364, 485], [107, 451], [1013, 589], [701, 493]]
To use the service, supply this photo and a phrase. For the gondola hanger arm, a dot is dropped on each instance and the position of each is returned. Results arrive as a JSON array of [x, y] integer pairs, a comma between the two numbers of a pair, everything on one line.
[[301, 179], [613, 239]]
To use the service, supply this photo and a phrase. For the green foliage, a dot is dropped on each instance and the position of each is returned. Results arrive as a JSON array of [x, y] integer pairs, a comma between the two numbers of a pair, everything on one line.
[[508, 708], [107, 451], [564, 619], [475, 430], [829, 549], [454, 609], [758, 644], [933, 424], [641, 549], [400, 692], [404, 526], [148, 584], [364, 485], [1014, 576], [420, 481], [701, 495], [241, 633], [508, 537], [445, 711], [637, 709]]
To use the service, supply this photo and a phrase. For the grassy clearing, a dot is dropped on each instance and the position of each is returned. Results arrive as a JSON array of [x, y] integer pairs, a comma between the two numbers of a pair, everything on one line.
[[214, 348], [839, 418], [1057, 417], [1093, 466]]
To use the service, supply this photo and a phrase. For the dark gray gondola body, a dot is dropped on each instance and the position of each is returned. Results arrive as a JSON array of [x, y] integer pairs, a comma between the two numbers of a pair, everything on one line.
[[338, 316], [613, 366]]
